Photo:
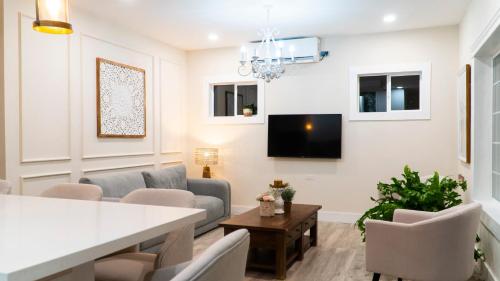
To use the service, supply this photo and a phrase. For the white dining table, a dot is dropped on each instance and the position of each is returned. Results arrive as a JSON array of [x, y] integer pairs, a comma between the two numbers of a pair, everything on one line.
[[60, 238]]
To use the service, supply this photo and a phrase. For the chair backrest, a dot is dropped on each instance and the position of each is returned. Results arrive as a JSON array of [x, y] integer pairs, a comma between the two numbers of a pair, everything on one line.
[[223, 261], [451, 234], [74, 191], [5, 187], [178, 245]]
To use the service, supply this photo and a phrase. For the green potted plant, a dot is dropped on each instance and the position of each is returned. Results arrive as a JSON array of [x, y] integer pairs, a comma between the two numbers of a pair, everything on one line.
[[287, 196], [249, 110], [432, 195]]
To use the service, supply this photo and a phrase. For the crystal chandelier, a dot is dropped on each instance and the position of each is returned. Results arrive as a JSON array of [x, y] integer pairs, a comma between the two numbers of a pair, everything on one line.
[[266, 62]]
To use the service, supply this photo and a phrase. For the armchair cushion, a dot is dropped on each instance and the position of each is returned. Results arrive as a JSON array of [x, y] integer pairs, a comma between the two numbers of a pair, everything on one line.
[[170, 178]]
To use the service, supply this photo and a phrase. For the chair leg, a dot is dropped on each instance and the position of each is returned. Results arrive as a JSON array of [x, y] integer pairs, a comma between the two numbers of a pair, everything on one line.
[[376, 277]]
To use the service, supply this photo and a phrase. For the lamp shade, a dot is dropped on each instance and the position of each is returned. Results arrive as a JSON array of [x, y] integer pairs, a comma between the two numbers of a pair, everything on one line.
[[206, 156], [52, 17]]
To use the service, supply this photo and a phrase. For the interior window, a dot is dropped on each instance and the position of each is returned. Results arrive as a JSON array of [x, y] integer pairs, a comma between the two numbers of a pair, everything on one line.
[[235, 100], [389, 92], [496, 128]]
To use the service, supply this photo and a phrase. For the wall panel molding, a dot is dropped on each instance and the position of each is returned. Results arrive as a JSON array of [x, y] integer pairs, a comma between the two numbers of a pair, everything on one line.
[[150, 77], [115, 168], [65, 156], [25, 178], [164, 94]]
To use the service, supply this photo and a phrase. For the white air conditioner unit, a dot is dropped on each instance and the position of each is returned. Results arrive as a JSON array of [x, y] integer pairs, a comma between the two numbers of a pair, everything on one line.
[[293, 50]]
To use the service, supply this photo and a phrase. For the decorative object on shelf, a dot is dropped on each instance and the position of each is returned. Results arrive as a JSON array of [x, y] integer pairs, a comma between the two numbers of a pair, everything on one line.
[[249, 110], [205, 157], [52, 16], [464, 114], [266, 204], [121, 100], [432, 195], [267, 61], [287, 196], [276, 189]]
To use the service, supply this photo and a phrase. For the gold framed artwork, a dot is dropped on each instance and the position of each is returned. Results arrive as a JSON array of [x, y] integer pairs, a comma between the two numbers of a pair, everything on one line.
[[120, 100], [464, 114]]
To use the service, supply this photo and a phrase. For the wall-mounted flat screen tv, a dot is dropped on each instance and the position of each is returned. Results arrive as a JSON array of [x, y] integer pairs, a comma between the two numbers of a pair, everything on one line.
[[305, 136]]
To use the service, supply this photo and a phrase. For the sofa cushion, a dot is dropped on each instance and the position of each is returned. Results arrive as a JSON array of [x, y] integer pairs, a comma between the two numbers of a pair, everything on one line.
[[213, 205], [117, 185], [171, 177]]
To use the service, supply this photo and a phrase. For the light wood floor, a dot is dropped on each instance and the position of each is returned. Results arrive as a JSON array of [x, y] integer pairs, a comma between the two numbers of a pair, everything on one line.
[[340, 255]]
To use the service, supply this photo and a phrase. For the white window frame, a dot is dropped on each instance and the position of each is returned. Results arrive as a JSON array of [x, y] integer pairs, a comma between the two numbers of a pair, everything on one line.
[[422, 69], [208, 100]]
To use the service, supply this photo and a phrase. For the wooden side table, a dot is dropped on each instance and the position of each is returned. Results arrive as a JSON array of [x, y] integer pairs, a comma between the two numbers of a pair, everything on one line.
[[277, 242]]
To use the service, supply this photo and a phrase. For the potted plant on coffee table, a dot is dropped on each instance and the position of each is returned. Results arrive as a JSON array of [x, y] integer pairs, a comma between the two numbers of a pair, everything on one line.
[[287, 196]]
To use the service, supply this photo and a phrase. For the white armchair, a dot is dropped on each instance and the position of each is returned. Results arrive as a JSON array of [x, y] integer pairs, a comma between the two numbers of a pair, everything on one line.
[[424, 246]]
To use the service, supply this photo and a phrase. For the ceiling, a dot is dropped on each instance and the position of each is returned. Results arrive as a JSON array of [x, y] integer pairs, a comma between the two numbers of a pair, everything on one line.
[[186, 24]]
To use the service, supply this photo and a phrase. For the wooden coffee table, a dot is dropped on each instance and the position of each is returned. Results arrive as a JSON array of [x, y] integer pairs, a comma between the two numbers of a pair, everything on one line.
[[277, 242]]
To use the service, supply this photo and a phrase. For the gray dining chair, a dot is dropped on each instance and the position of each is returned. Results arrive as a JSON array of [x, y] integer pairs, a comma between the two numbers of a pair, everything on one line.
[[76, 191], [130, 265], [425, 246], [5, 187], [223, 261]]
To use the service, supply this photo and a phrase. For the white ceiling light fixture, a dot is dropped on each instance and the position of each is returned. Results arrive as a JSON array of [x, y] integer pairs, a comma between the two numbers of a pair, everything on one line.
[[267, 61], [390, 18], [213, 37]]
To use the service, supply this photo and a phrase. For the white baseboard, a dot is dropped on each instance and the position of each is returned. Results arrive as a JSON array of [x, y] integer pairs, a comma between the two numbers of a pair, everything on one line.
[[326, 216], [488, 274]]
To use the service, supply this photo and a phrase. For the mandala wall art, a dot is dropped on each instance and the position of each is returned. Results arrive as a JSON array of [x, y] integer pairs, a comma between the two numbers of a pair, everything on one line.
[[121, 100]]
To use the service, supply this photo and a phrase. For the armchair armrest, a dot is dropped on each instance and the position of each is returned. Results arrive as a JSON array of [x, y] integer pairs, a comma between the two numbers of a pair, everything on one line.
[[388, 246], [411, 216], [211, 187]]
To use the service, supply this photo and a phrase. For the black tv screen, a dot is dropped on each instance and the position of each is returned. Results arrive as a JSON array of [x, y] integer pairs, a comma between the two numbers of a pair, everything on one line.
[[305, 136]]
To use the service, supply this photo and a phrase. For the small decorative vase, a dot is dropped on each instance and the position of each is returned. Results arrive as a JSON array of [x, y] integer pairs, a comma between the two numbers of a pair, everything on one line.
[[247, 112], [279, 201], [266, 209], [288, 208]]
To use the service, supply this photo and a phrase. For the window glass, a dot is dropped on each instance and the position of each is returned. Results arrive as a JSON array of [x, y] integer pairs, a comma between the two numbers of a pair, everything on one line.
[[373, 94], [247, 98], [224, 100], [496, 129], [496, 69], [496, 98], [405, 92]]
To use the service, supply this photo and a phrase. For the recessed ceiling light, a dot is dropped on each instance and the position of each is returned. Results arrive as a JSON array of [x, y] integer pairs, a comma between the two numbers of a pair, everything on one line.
[[213, 37], [400, 87], [390, 18]]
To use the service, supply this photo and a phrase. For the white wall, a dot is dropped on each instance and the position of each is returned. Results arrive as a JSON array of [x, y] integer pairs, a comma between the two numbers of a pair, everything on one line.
[[481, 18], [372, 151], [50, 101]]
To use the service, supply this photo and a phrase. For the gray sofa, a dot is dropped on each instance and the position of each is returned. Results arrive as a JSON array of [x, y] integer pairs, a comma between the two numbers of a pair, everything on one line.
[[210, 194]]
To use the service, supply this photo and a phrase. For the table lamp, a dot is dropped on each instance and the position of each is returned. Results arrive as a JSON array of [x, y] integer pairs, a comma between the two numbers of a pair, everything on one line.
[[205, 157]]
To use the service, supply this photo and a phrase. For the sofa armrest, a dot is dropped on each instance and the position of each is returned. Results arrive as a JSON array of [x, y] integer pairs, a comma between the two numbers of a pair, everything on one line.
[[411, 216], [211, 187]]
